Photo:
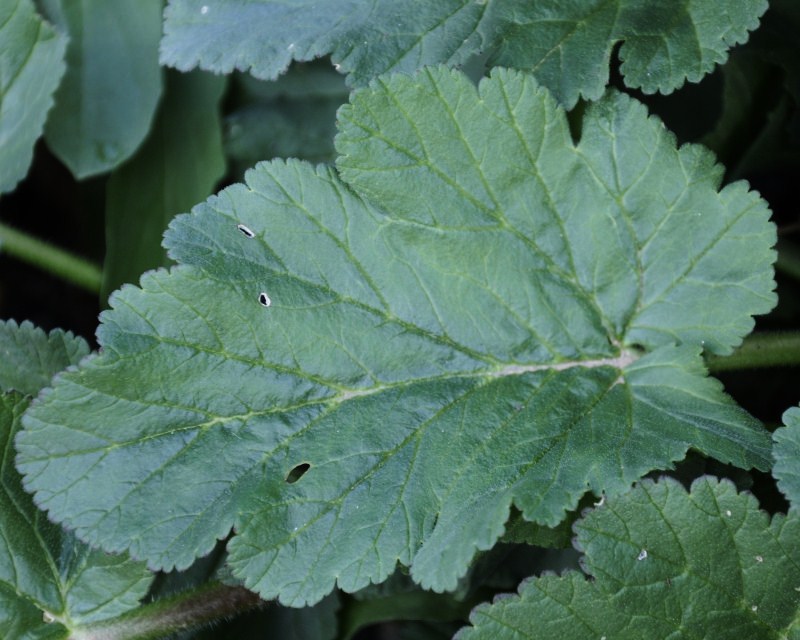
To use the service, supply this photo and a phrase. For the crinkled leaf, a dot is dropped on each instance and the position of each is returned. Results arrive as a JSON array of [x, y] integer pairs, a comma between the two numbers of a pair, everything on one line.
[[566, 44], [666, 564], [371, 366], [31, 65], [105, 105], [29, 357], [786, 452], [50, 582], [178, 165]]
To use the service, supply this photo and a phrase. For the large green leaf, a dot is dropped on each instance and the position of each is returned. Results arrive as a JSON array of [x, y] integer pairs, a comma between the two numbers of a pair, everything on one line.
[[566, 44], [179, 164], [368, 366], [666, 564], [31, 65], [50, 583], [105, 105]]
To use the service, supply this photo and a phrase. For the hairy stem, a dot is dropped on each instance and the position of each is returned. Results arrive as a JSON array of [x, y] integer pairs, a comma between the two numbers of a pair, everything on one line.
[[185, 610], [760, 350], [63, 264]]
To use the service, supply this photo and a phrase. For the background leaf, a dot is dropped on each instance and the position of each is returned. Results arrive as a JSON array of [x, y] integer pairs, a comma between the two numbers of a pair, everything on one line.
[[567, 45], [179, 164], [105, 105], [786, 452], [29, 357], [666, 563], [31, 65], [368, 367], [49, 581], [292, 117]]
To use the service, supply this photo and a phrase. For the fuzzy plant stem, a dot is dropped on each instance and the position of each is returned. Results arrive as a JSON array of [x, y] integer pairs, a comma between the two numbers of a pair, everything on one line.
[[197, 607], [773, 349], [58, 262]]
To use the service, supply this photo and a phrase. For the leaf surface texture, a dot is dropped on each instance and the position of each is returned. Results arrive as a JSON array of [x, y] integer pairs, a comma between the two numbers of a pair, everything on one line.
[[567, 45], [50, 582], [666, 564], [368, 365]]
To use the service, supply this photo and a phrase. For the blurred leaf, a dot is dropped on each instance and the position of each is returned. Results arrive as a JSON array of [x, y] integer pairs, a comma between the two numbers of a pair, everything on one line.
[[282, 623], [105, 105], [179, 164], [294, 116], [666, 564], [29, 357], [31, 65]]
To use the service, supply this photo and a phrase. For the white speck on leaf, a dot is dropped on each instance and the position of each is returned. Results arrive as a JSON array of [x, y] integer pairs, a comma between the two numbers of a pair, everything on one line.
[[204, 9], [290, 47], [601, 501], [337, 66], [245, 230], [264, 299], [754, 608], [728, 512], [642, 554], [759, 558], [48, 617]]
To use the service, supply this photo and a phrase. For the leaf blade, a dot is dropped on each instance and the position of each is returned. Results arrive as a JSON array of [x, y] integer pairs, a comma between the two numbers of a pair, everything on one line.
[[31, 68], [424, 380]]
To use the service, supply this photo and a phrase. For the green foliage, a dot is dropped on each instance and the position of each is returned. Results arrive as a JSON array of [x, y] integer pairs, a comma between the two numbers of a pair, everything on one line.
[[567, 45], [105, 104], [489, 318], [666, 563], [467, 355], [50, 583], [30, 68], [181, 162], [786, 452]]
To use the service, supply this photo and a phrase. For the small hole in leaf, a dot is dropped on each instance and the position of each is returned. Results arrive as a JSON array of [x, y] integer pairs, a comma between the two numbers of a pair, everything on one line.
[[297, 473]]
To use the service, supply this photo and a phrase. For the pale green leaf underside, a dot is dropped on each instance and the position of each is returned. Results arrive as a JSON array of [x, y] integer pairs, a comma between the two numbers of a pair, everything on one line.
[[105, 105], [29, 357], [451, 333], [567, 45], [31, 65], [667, 564], [786, 452], [43, 570]]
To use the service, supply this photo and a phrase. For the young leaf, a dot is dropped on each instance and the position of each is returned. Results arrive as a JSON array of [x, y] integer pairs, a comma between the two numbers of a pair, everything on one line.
[[786, 452], [106, 102], [29, 357], [666, 563], [368, 367], [31, 66], [567, 44], [49, 582]]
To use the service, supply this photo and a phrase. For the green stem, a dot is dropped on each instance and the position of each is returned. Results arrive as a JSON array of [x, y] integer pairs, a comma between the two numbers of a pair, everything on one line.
[[185, 610], [778, 349], [67, 266]]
